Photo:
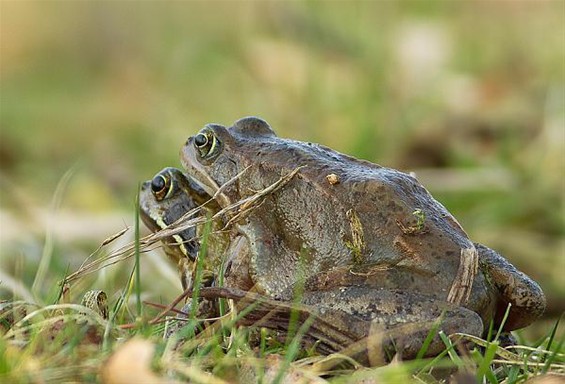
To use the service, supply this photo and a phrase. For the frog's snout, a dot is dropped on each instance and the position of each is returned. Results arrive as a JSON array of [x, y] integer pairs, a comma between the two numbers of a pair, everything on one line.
[[145, 185]]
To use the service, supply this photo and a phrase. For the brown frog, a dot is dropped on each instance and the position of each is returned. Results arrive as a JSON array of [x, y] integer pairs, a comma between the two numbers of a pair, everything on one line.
[[163, 200], [369, 245], [168, 197]]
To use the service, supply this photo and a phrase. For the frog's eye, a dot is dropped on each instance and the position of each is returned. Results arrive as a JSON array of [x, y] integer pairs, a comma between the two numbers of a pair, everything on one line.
[[206, 143], [161, 186], [201, 140]]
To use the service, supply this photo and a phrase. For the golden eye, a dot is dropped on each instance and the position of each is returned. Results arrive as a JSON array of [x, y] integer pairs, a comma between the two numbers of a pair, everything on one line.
[[206, 143], [160, 186]]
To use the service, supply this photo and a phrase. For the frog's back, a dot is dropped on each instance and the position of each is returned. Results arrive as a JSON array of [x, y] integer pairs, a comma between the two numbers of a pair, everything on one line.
[[365, 186], [390, 215]]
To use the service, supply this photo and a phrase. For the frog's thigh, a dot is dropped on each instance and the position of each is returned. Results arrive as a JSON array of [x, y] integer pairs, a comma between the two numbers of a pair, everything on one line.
[[407, 317], [513, 287]]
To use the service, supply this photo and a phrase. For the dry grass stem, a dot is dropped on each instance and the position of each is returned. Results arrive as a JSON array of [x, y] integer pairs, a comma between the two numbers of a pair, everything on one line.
[[235, 211]]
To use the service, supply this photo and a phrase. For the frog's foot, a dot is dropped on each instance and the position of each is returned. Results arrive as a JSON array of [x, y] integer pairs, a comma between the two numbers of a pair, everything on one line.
[[397, 321], [201, 308], [513, 287]]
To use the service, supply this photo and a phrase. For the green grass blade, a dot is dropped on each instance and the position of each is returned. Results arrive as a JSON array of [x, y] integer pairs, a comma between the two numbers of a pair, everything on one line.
[[513, 373], [292, 349], [490, 330], [552, 334], [431, 334], [199, 267], [552, 357], [298, 292], [503, 322], [47, 253], [484, 366], [5, 366], [126, 294], [451, 350], [137, 256], [432, 363], [61, 288]]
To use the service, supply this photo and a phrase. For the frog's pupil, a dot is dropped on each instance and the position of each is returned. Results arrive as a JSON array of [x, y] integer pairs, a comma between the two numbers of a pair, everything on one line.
[[201, 140], [157, 184]]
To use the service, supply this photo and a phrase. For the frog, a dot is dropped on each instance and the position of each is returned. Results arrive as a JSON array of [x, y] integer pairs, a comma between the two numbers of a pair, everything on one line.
[[367, 245], [164, 199], [168, 198]]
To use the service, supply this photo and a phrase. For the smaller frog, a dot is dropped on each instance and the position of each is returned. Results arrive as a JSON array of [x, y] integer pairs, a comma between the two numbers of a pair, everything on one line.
[[163, 200]]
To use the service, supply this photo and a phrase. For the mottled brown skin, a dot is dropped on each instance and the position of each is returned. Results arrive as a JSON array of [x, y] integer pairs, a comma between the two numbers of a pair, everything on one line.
[[370, 243]]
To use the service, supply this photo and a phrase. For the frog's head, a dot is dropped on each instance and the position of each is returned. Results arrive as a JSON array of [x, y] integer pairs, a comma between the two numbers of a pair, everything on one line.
[[163, 200], [216, 154]]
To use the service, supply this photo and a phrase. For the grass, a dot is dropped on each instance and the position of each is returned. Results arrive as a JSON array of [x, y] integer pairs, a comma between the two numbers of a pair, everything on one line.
[[64, 343], [68, 342]]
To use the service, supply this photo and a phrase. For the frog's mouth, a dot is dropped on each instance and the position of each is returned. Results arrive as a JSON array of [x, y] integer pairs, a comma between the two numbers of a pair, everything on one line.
[[198, 172]]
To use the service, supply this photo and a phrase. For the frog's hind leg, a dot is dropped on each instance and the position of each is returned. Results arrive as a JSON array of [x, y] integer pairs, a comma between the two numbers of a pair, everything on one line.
[[396, 321], [513, 287]]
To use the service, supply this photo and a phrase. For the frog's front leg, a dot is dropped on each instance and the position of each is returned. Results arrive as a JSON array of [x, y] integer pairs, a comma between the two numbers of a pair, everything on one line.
[[399, 320], [512, 287]]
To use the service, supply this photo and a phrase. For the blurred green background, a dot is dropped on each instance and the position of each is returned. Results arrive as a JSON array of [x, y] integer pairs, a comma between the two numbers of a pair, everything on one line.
[[467, 94]]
